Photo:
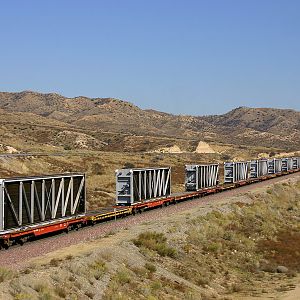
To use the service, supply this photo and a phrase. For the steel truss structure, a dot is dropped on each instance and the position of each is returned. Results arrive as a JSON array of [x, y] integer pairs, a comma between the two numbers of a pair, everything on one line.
[[258, 168], [296, 163], [236, 171], [274, 165], [138, 185], [287, 164], [30, 200], [271, 166], [201, 176], [278, 165]]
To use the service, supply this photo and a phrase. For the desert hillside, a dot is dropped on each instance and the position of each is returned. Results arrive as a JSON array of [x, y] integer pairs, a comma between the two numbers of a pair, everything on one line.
[[97, 136], [112, 124], [247, 247], [260, 119]]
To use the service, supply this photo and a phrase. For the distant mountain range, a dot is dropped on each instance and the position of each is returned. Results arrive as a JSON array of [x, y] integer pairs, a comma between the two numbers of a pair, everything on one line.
[[109, 122]]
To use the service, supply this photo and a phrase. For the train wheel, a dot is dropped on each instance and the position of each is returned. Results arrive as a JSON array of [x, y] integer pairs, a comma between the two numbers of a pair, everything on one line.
[[20, 242], [6, 244], [68, 229]]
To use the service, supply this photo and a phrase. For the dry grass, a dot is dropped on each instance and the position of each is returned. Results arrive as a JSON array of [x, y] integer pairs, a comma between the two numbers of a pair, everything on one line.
[[150, 267], [156, 242], [226, 250], [97, 268], [236, 248], [6, 274]]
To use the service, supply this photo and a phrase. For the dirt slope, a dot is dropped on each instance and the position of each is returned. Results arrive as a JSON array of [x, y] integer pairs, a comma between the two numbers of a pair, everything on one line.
[[266, 126], [218, 248]]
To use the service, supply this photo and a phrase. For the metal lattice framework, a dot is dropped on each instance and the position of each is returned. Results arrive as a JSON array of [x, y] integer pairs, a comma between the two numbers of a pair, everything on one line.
[[236, 171], [271, 166], [258, 168], [277, 165], [274, 165], [201, 176], [30, 200], [138, 185], [296, 163], [287, 164]]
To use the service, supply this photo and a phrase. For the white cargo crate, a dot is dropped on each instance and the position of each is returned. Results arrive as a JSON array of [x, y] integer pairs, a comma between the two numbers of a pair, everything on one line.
[[259, 167], [198, 177], [236, 171], [31, 200], [138, 185]]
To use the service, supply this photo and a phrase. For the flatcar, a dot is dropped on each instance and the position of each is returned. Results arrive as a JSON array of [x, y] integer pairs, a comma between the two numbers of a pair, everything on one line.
[[32, 207]]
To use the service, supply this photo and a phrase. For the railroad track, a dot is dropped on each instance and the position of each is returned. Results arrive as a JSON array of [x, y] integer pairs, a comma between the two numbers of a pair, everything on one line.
[[18, 256]]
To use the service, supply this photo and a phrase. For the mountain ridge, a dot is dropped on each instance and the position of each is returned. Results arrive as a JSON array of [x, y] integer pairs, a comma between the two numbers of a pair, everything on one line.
[[243, 125]]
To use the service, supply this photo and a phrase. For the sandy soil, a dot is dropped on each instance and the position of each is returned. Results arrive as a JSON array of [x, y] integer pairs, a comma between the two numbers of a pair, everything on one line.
[[204, 148]]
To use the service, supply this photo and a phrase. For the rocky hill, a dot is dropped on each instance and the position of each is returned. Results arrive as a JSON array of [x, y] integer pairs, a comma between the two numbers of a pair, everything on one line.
[[99, 113], [115, 123], [261, 119]]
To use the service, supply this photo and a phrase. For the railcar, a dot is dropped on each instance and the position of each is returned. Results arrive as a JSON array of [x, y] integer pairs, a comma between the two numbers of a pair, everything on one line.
[[286, 164], [236, 171], [278, 165], [198, 177], [29, 202], [259, 167], [296, 163], [36, 206], [274, 165], [271, 166], [139, 185]]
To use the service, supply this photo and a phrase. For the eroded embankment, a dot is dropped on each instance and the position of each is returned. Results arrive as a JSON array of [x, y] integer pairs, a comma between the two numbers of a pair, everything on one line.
[[234, 247]]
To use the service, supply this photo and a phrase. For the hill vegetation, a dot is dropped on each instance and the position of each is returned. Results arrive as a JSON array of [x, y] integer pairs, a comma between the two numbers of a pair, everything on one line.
[[97, 136], [112, 124], [235, 248]]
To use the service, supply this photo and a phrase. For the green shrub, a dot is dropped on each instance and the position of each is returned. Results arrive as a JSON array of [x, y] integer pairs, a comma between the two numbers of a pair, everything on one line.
[[69, 257], [22, 296], [214, 247], [98, 169], [155, 286], [40, 287], [128, 165], [97, 268], [155, 241], [123, 277], [150, 267], [54, 262], [61, 291], [43, 290]]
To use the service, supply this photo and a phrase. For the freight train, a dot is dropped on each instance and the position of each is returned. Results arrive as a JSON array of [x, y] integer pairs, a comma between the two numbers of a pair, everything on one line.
[[32, 207]]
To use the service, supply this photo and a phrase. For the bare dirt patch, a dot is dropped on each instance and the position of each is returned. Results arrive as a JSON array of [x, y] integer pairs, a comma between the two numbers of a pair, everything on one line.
[[284, 251], [204, 148]]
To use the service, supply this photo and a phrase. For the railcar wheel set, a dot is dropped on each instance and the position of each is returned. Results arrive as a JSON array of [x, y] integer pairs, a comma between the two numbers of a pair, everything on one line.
[[32, 207]]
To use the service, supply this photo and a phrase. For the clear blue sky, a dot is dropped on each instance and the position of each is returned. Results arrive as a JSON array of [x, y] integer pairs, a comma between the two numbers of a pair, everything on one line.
[[189, 57]]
